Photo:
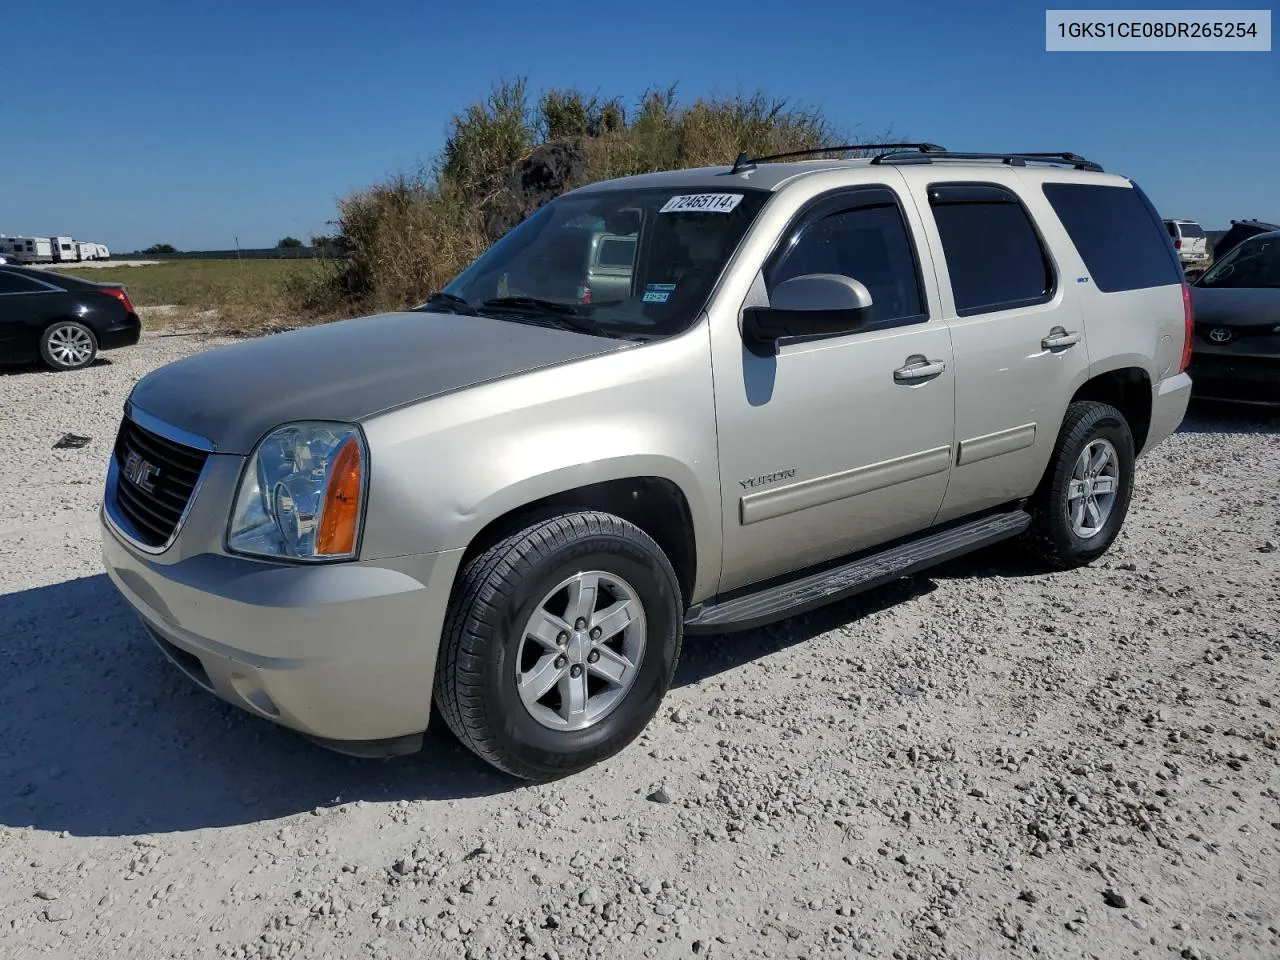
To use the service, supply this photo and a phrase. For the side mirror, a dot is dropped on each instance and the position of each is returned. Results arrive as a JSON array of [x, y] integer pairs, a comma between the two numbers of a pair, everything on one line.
[[811, 305]]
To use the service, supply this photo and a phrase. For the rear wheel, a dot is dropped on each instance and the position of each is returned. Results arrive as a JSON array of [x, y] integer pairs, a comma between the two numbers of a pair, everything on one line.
[[1084, 497], [560, 643], [68, 345]]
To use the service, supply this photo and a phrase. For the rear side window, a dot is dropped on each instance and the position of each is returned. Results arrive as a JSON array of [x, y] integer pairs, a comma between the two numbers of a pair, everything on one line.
[[994, 255], [1173, 229], [13, 283], [1117, 235], [858, 234]]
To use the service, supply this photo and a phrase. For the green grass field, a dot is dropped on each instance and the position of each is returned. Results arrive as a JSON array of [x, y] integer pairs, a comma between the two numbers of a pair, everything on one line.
[[205, 284], [249, 295]]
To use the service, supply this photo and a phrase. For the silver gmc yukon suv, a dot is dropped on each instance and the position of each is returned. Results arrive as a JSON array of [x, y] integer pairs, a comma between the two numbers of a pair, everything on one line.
[[814, 376]]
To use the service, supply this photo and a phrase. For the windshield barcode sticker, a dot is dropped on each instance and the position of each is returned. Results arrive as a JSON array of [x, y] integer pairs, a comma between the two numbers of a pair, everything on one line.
[[702, 203]]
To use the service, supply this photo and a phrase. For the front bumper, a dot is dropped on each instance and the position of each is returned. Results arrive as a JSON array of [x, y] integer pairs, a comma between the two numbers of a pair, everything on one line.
[[344, 653], [1236, 377]]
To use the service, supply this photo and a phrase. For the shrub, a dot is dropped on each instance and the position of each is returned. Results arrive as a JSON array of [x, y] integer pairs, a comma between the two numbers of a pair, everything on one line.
[[409, 236]]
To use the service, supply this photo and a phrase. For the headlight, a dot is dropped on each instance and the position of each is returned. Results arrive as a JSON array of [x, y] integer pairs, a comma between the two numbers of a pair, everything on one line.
[[301, 494]]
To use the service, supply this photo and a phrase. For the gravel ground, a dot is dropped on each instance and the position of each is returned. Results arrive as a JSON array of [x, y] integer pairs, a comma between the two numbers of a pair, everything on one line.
[[99, 264], [982, 762]]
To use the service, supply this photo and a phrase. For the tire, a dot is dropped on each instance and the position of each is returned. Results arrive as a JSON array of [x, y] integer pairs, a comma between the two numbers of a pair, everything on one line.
[[1056, 535], [68, 345], [487, 644]]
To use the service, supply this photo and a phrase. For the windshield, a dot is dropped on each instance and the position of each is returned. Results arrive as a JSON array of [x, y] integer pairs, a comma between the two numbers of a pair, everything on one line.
[[1255, 263], [638, 263]]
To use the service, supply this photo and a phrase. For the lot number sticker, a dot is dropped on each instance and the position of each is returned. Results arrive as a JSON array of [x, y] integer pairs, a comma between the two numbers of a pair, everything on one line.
[[702, 203]]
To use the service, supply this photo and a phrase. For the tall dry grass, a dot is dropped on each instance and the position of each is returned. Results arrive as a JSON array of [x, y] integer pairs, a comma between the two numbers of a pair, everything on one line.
[[410, 235]]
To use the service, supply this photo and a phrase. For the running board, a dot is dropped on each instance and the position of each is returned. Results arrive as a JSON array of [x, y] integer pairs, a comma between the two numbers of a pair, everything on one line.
[[777, 601]]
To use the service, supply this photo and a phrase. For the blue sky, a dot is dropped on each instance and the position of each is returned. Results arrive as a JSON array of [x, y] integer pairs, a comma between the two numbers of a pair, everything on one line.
[[196, 123]]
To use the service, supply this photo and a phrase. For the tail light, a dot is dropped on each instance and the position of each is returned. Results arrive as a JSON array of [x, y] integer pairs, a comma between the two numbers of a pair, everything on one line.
[[1189, 319], [120, 294], [1177, 244]]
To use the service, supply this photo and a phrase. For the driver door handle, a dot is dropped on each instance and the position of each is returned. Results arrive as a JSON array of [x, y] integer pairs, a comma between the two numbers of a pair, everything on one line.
[[1060, 339], [917, 369]]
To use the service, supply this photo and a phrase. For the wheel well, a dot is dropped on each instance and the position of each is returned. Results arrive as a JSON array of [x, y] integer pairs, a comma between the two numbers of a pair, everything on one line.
[[1129, 391], [67, 319], [655, 505]]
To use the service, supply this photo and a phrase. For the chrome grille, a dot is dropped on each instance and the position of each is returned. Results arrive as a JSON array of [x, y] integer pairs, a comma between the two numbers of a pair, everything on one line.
[[156, 478]]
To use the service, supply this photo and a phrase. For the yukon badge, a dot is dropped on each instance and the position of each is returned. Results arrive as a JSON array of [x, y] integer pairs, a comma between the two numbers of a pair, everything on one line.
[[764, 478], [140, 473]]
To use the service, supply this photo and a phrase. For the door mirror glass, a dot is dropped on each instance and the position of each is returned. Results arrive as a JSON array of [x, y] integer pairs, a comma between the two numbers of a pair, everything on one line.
[[814, 304]]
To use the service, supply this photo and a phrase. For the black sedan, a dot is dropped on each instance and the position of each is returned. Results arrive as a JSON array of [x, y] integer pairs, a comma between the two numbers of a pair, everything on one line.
[[1236, 353], [61, 320]]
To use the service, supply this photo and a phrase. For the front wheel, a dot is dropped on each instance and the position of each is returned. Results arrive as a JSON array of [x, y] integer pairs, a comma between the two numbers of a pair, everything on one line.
[[1082, 501], [560, 643]]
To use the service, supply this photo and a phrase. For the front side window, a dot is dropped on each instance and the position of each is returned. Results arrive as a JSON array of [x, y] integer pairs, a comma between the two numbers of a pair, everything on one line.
[[1255, 263], [868, 242], [993, 253], [670, 246]]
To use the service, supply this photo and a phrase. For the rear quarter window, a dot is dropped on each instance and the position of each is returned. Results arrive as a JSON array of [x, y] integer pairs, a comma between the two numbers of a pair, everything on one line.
[[1117, 235], [617, 253]]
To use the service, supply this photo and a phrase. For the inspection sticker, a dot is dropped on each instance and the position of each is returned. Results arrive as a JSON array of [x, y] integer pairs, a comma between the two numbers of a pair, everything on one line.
[[658, 292], [702, 203]]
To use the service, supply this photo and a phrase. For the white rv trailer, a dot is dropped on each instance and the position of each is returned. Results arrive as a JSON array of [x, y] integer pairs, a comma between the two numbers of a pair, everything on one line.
[[27, 249], [103, 253], [65, 250], [86, 251]]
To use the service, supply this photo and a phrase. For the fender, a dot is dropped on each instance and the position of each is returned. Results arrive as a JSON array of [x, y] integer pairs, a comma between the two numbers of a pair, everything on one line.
[[442, 470]]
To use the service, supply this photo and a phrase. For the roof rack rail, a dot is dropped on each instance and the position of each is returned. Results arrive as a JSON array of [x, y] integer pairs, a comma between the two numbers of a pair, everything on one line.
[[745, 163], [1020, 159]]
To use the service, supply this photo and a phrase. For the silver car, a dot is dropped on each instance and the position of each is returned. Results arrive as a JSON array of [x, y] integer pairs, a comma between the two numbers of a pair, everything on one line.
[[817, 376]]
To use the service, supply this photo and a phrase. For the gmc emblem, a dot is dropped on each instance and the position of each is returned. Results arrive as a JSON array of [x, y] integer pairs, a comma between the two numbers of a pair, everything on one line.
[[140, 473]]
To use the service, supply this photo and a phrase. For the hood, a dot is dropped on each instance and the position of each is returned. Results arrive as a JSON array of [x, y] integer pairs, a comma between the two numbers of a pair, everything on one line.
[[1236, 306], [346, 371]]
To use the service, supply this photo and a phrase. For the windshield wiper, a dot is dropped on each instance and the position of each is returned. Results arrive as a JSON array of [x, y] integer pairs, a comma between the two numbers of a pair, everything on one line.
[[546, 306], [562, 315], [448, 303]]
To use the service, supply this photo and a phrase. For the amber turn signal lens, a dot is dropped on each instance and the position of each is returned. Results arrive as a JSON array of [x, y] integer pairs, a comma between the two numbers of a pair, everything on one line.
[[340, 515]]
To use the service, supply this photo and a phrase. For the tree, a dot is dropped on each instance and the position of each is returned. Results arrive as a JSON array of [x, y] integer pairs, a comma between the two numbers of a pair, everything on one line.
[[330, 246], [161, 248], [289, 243]]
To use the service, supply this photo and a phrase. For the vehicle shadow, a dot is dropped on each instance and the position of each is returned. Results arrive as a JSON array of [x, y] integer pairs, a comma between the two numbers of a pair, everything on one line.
[[101, 736], [1215, 416], [16, 369], [706, 656]]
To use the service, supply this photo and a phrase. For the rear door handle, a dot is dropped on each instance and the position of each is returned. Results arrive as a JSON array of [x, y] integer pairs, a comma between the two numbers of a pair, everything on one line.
[[918, 368], [1060, 339]]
